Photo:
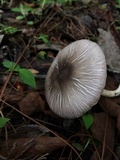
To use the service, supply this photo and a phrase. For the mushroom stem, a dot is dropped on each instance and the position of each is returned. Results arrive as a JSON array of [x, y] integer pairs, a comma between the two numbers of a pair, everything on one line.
[[114, 93]]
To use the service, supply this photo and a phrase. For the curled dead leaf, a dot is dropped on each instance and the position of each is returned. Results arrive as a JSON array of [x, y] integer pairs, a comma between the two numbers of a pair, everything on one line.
[[31, 103], [110, 49], [29, 147]]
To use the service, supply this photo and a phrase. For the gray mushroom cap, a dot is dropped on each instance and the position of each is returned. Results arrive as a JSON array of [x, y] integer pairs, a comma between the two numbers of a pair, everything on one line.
[[76, 79]]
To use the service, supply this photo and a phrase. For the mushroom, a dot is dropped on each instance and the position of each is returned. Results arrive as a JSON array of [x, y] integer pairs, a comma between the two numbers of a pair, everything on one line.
[[109, 93], [76, 79]]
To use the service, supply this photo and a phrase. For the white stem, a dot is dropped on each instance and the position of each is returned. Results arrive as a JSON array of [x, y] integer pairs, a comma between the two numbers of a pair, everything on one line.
[[108, 93]]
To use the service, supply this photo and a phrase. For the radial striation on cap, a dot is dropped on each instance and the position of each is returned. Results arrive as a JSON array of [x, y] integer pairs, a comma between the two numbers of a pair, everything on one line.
[[76, 79]]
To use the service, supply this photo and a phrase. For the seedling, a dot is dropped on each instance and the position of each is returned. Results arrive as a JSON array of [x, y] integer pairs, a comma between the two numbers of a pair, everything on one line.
[[24, 10], [44, 38], [80, 147], [42, 54], [7, 29], [25, 75]]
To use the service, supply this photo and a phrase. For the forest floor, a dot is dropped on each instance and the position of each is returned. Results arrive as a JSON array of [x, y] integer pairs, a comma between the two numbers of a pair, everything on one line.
[[31, 35]]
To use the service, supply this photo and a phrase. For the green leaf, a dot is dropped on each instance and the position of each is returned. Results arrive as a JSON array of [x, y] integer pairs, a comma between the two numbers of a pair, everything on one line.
[[20, 17], [10, 30], [22, 8], [44, 38], [27, 77], [10, 65], [118, 27], [88, 120], [30, 22], [16, 9], [3, 121], [28, 8], [78, 146]]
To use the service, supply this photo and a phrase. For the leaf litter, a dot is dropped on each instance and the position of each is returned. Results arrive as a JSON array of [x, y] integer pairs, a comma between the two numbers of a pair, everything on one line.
[[18, 139]]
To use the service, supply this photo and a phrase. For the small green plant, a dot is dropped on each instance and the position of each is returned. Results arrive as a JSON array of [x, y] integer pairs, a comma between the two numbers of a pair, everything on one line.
[[82, 147], [88, 121], [3, 121], [7, 29], [43, 3], [117, 4], [44, 38], [42, 54], [24, 10], [25, 75], [2, 2]]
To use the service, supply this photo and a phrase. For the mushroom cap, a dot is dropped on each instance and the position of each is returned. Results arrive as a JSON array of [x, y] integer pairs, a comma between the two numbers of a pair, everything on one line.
[[76, 79]]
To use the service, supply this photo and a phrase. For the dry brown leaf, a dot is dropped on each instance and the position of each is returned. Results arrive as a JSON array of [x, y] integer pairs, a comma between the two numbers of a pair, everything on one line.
[[31, 103], [12, 96], [29, 147], [34, 71], [103, 127], [112, 108], [110, 49]]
